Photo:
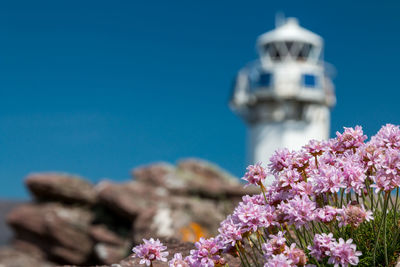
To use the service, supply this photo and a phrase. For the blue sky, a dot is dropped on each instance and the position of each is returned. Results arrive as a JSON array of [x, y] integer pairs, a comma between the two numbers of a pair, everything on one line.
[[98, 87]]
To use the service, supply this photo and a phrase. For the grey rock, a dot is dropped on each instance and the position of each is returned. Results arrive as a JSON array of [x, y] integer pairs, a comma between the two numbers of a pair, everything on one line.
[[61, 187], [128, 199], [60, 232]]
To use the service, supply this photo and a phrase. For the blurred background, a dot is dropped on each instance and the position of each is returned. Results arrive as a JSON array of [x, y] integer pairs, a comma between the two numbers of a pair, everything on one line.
[[97, 87]]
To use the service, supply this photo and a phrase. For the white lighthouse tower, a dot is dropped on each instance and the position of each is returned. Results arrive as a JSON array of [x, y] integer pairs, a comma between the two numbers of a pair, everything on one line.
[[284, 97]]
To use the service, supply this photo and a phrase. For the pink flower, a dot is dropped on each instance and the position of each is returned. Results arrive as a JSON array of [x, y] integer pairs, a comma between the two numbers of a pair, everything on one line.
[[280, 160], [328, 178], [255, 199], [289, 178], [354, 215], [178, 261], [388, 137], [230, 231], [353, 173], [298, 211], [303, 188], [149, 251], [207, 253], [387, 176], [322, 246], [316, 148], [327, 214], [350, 138], [296, 255], [275, 245], [255, 174], [279, 261], [253, 216], [343, 253]]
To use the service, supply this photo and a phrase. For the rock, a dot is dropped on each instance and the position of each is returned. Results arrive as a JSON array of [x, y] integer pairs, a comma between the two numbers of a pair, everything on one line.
[[206, 170], [61, 187], [78, 223], [184, 218], [28, 248], [154, 174], [193, 176], [10, 257], [5, 207], [60, 232], [109, 254], [162, 175], [101, 234], [129, 199], [208, 180]]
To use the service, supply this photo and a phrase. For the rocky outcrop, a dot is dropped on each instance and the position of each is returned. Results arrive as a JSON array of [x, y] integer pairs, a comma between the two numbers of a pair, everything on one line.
[[61, 187], [193, 177], [75, 222], [128, 199], [59, 232], [5, 207]]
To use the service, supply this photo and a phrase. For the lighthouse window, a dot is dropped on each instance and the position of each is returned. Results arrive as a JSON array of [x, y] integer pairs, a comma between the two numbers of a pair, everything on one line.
[[273, 51], [264, 79], [304, 52], [289, 45], [309, 80]]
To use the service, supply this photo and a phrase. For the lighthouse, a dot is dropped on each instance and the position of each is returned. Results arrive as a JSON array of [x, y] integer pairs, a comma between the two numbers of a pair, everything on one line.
[[284, 96]]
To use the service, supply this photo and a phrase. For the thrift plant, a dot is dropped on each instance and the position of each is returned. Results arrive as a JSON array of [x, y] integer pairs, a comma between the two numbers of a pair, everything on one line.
[[332, 203]]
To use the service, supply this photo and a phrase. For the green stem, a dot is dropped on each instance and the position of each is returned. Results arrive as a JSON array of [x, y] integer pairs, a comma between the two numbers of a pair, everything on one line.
[[387, 197], [341, 198], [252, 245], [245, 258], [372, 199], [396, 235], [240, 255], [348, 199], [395, 206], [314, 228], [299, 238], [259, 243], [376, 241], [263, 191], [391, 201], [378, 200], [365, 201], [379, 230]]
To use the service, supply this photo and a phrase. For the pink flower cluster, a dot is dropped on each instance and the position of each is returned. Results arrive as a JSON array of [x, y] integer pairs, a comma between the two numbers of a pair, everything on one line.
[[207, 253], [277, 253], [354, 215], [255, 174], [382, 158], [340, 253], [178, 261], [149, 251], [318, 188]]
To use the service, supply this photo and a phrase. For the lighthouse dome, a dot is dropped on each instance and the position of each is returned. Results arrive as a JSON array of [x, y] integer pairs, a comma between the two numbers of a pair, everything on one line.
[[290, 31]]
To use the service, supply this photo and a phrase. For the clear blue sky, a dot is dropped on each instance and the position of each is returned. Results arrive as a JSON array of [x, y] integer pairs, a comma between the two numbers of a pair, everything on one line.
[[98, 87]]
